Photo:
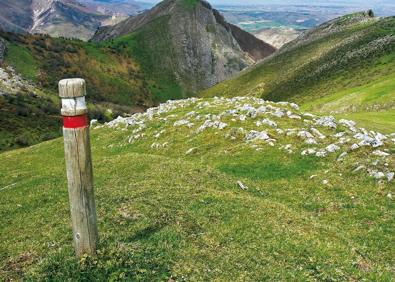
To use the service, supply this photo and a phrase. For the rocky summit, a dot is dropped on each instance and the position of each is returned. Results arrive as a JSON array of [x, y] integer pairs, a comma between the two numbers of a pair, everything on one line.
[[192, 41]]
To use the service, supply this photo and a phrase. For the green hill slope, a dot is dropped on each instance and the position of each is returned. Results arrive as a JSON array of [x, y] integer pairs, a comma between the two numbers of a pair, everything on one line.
[[119, 82], [345, 66], [211, 189]]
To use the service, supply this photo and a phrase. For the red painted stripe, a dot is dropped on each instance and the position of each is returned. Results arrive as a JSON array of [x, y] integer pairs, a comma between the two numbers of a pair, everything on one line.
[[75, 122]]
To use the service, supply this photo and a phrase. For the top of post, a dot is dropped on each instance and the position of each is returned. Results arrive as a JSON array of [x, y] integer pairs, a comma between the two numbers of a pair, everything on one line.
[[72, 88]]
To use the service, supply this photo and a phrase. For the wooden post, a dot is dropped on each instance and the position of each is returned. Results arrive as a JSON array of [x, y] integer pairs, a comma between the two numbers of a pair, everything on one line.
[[79, 165]]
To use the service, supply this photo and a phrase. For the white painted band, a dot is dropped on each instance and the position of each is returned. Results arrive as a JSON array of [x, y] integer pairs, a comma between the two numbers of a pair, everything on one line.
[[74, 104]]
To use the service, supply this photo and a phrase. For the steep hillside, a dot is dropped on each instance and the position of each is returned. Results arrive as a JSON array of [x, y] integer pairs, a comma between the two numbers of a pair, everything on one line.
[[65, 18], [29, 75], [345, 66], [186, 42], [209, 190]]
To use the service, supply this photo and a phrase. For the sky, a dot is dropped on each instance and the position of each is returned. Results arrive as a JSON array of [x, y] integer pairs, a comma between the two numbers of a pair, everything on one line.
[[303, 2]]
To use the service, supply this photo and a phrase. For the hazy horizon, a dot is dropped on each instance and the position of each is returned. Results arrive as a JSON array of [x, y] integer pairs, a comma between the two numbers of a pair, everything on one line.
[[372, 3]]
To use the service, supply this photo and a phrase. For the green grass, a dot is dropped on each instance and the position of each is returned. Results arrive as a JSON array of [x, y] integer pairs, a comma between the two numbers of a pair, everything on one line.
[[164, 214], [189, 4], [22, 61], [381, 121], [272, 166]]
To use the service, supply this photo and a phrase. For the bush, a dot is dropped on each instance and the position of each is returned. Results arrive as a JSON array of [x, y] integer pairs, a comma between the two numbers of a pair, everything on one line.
[[24, 140]]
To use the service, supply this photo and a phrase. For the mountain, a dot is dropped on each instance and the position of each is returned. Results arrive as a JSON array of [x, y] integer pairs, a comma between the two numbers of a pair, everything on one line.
[[115, 7], [278, 37], [16, 16], [186, 43], [344, 67], [67, 18], [237, 189], [124, 75]]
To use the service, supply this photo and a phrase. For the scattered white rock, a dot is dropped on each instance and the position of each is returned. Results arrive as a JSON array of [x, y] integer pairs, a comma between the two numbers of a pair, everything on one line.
[[348, 123], [377, 175], [212, 124], [342, 156], [256, 135], [332, 148], [354, 147], [305, 135], [191, 151], [308, 152], [247, 109], [380, 153], [317, 133], [242, 186], [266, 122], [321, 154], [326, 122], [359, 168], [311, 141], [390, 176], [94, 122]]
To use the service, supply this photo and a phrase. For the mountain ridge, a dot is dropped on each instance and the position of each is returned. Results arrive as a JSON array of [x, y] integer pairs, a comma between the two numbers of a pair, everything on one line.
[[60, 18], [198, 47]]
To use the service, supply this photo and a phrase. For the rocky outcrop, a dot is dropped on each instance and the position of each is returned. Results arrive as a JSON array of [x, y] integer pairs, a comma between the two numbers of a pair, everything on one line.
[[204, 49], [2, 50]]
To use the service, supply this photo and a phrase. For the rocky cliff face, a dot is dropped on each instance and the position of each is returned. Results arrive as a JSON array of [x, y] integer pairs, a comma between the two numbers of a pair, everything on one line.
[[203, 49]]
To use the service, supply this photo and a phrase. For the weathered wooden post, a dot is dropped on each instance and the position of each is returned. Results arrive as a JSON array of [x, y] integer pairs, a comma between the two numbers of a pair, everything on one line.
[[79, 165]]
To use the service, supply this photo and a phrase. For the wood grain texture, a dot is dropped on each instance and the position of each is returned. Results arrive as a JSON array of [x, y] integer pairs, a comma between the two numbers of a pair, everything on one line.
[[72, 88], [81, 194]]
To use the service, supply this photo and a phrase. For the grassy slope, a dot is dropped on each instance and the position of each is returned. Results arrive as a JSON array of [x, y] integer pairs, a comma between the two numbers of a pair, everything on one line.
[[349, 70], [165, 214], [123, 75]]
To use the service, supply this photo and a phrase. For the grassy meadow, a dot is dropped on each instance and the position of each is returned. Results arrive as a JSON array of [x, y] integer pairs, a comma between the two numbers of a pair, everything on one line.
[[168, 212]]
